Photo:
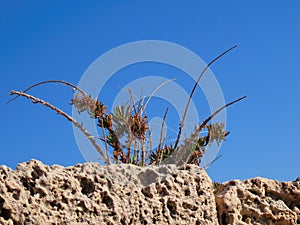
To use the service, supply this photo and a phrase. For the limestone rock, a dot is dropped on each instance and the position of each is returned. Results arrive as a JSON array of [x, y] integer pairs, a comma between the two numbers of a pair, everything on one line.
[[88, 193], [258, 201]]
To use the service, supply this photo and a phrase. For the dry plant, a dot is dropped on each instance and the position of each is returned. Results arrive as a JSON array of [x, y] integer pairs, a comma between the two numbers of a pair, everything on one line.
[[129, 122]]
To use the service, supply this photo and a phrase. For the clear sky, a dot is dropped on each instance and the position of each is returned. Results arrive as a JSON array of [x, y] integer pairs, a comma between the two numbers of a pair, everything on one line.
[[43, 40]]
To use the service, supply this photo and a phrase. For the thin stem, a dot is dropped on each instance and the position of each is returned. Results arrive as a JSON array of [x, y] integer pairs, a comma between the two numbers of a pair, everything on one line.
[[162, 127], [143, 152], [154, 91], [50, 81], [193, 91], [105, 140], [68, 117], [202, 126], [149, 142], [182, 156], [209, 164]]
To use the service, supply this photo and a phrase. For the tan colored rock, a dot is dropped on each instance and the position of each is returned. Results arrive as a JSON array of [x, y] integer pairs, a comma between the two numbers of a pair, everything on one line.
[[87, 193], [258, 201]]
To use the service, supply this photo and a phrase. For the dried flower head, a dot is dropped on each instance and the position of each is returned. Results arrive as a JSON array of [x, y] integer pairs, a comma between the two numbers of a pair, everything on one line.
[[98, 110], [82, 102], [138, 126]]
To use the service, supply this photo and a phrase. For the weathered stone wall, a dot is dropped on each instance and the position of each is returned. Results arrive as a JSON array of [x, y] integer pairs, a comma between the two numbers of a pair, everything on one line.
[[87, 193], [258, 201], [35, 193]]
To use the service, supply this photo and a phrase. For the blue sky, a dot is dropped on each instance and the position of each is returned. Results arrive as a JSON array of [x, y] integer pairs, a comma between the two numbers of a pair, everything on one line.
[[59, 40]]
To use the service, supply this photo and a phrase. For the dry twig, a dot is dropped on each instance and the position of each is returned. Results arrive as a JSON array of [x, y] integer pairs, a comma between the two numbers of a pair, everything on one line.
[[74, 87], [68, 117]]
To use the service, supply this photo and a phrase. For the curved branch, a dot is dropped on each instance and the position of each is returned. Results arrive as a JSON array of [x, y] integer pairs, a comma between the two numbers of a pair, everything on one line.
[[50, 81], [68, 117], [182, 155], [193, 91], [202, 126]]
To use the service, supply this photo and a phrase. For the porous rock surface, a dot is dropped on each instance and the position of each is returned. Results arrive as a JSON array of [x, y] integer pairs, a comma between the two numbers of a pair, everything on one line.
[[258, 201], [88, 193]]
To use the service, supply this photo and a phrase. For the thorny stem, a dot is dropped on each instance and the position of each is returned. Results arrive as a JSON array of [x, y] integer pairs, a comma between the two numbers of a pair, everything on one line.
[[68, 117], [193, 91]]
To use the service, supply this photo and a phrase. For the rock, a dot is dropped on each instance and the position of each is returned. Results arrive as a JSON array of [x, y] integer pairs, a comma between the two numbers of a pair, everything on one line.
[[258, 201], [88, 193]]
